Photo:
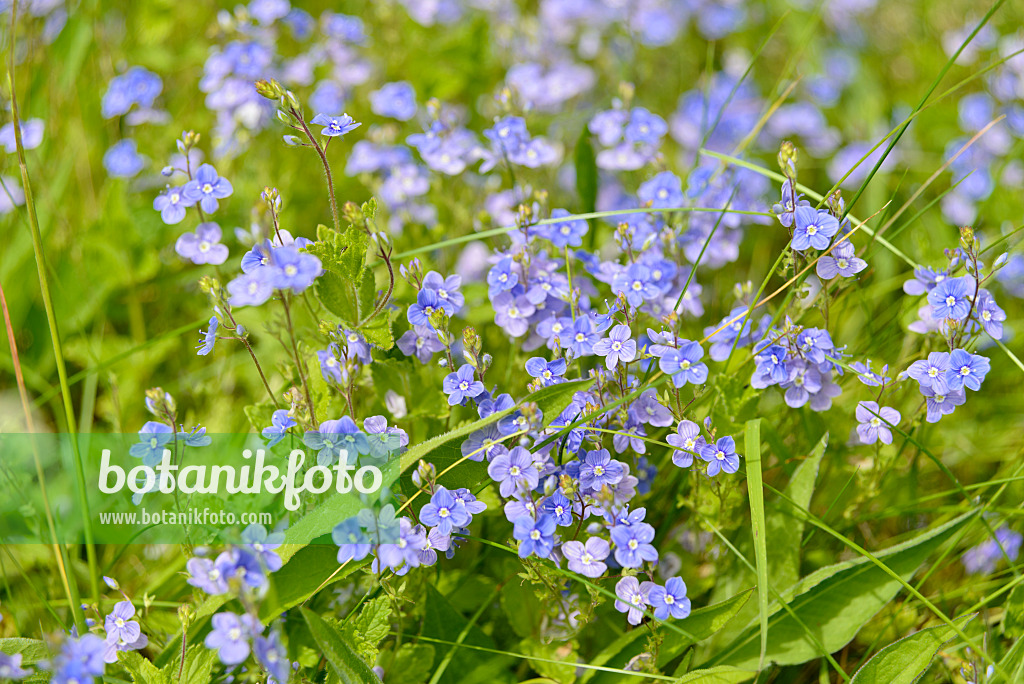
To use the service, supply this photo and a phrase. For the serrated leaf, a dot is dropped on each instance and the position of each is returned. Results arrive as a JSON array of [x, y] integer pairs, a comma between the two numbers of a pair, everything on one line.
[[701, 623], [141, 670], [411, 665], [377, 330], [343, 661], [835, 602], [338, 295], [906, 661], [31, 650], [198, 668], [370, 627]]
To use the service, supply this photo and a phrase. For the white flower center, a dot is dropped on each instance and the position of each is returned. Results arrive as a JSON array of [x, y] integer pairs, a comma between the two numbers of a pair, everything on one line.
[[207, 188]]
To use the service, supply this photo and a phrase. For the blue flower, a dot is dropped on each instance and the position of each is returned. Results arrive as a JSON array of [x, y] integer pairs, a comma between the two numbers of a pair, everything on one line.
[[559, 508], [335, 436], [462, 385], [206, 188], [264, 545], [196, 437], [931, 373], [137, 86], [663, 191], [582, 337], [683, 364], [230, 636], [273, 656], [633, 544], [632, 596], [943, 404], [334, 125], [443, 512], [501, 277], [721, 455], [966, 370], [841, 261], [80, 660], [670, 600], [249, 289], [645, 127], [950, 299], [784, 208], [280, 421], [814, 228], [202, 246], [688, 442], [536, 537], [550, 372], [598, 469], [208, 338], [10, 667], [427, 302], [992, 317], [587, 559], [514, 471], [292, 269], [396, 100], [565, 233], [447, 290], [119, 624], [617, 346], [122, 160], [172, 204], [153, 437], [204, 575], [353, 543], [875, 422], [421, 342], [635, 283]]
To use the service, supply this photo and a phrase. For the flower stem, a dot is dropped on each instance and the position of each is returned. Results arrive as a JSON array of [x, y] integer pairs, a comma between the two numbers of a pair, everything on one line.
[[298, 360], [327, 166]]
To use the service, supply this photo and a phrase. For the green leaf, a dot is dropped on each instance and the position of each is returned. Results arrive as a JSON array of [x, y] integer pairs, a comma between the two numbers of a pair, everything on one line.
[[905, 661], [755, 490], [338, 295], [553, 399], [1012, 663], [309, 569], [786, 524], [411, 665], [198, 669], [448, 441], [377, 330], [837, 601], [441, 621], [1013, 622], [343, 661], [369, 628], [141, 670], [334, 509], [701, 623], [31, 650], [723, 674], [586, 173]]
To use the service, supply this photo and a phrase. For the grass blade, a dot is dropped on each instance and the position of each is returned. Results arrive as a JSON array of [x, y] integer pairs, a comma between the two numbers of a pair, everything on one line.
[[752, 437]]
